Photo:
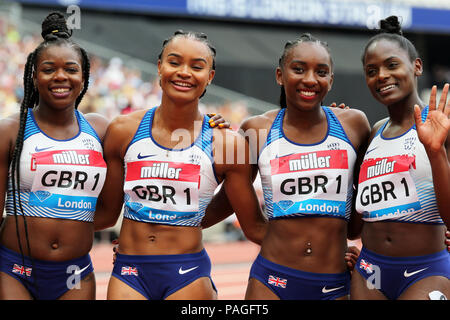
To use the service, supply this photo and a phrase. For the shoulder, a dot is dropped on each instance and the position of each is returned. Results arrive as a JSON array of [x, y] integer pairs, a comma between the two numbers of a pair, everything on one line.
[[352, 118], [98, 122], [262, 121], [122, 128], [377, 126]]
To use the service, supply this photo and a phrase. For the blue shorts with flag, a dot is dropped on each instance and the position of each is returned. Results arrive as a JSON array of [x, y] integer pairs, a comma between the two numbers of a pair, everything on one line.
[[158, 276], [393, 275], [292, 284], [45, 280]]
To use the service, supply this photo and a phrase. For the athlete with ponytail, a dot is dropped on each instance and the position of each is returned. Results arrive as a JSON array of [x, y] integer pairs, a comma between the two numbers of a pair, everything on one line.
[[164, 165], [51, 171], [404, 183]]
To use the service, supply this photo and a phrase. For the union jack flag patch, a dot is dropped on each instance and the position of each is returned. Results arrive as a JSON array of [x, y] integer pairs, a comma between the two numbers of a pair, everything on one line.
[[129, 271], [365, 266], [21, 270], [277, 282]]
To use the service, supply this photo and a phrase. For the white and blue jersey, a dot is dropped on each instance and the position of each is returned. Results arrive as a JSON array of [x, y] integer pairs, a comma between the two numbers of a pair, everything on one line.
[[305, 180], [59, 178], [395, 181], [168, 186]]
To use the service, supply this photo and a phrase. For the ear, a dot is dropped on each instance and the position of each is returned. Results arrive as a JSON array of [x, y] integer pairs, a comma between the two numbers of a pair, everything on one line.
[[279, 76], [418, 67], [159, 67], [212, 73], [330, 85]]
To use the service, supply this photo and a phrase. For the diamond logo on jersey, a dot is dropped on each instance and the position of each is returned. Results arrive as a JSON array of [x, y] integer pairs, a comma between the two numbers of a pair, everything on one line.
[[42, 195], [135, 206], [285, 204]]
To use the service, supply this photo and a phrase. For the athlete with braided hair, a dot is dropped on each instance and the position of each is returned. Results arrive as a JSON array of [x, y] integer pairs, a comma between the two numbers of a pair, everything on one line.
[[306, 155], [51, 169]]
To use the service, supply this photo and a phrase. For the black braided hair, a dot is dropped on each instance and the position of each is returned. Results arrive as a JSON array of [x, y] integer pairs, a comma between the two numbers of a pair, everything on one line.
[[54, 32], [305, 37], [199, 36], [390, 29]]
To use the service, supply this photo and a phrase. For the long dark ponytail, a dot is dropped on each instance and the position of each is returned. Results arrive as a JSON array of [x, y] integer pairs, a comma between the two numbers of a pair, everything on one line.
[[54, 32]]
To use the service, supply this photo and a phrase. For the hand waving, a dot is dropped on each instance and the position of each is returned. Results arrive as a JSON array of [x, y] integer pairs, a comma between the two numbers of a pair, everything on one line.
[[434, 131]]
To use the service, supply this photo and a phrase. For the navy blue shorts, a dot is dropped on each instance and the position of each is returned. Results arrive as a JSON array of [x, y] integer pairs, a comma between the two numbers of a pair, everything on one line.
[[393, 275], [45, 280], [292, 284], [158, 276]]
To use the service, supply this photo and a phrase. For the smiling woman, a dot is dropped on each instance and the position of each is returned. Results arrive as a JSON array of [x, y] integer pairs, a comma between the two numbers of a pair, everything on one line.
[[51, 169], [167, 183]]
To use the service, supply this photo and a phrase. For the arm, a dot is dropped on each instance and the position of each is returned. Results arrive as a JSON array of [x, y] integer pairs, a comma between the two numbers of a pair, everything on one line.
[[238, 187], [8, 132], [110, 200], [434, 135], [220, 208]]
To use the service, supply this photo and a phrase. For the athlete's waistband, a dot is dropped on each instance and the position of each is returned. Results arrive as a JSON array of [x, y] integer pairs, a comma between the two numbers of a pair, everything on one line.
[[295, 272], [39, 263], [404, 260], [185, 257]]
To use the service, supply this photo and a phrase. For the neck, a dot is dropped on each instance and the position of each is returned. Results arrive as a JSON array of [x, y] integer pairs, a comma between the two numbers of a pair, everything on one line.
[[403, 110], [178, 116], [54, 117], [304, 119]]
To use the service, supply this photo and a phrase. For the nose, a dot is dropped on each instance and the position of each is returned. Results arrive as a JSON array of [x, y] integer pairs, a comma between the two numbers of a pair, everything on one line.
[[60, 75], [383, 74], [309, 79], [184, 71]]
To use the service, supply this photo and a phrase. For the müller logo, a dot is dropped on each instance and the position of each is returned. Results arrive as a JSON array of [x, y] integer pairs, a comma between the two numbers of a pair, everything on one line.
[[309, 161], [71, 157], [160, 170], [381, 167]]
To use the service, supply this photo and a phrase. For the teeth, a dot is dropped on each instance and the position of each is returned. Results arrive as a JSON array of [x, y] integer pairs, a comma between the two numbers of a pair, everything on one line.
[[183, 84], [308, 93], [387, 87], [60, 90]]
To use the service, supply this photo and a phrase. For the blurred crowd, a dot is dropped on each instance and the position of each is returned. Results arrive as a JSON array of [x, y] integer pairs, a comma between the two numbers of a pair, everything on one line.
[[114, 88]]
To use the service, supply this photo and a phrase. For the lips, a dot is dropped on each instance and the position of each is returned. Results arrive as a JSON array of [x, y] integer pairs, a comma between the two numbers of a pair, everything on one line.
[[60, 92], [307, 94], [182, 85], [386, 88]]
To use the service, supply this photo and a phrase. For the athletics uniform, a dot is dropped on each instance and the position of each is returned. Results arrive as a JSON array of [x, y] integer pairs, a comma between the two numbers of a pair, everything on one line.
[[396, 184], [59, 179], [299, 180], [172, 187]]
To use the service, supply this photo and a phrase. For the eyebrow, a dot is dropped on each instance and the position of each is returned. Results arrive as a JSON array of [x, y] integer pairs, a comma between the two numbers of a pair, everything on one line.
[[303, 62], [179, 56], [384, 61], [67, 63]]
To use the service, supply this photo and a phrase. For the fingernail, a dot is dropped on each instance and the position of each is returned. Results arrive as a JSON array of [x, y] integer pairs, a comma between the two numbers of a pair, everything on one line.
[[213, 124], [221, 125]]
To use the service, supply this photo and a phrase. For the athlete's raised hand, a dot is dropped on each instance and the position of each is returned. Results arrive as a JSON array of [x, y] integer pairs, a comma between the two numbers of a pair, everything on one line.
[[434, 131]]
